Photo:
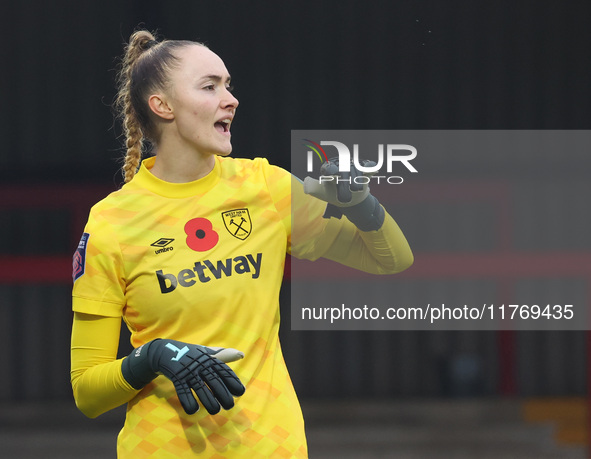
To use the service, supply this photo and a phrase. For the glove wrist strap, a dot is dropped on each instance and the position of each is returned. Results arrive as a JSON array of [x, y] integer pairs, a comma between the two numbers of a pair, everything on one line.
[[136, 367], [368, 215]]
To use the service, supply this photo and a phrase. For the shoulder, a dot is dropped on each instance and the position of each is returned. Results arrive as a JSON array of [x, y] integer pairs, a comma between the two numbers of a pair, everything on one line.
[[123, 203], [113, 213], [252, 167], [102, 207], [238, 164]]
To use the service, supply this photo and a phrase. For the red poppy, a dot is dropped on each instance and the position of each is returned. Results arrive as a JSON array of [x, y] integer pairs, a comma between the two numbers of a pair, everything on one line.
[[200, 235]]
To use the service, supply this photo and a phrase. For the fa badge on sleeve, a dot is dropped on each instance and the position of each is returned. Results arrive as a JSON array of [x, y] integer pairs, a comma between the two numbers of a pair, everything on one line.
[[79, 259]]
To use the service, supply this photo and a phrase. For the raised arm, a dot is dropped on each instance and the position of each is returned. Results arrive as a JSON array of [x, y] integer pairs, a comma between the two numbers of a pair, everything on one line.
[[365, 238], [373, 243]]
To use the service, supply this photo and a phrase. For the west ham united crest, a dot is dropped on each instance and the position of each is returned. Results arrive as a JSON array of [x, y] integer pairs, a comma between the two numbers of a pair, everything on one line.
[[238, 223]]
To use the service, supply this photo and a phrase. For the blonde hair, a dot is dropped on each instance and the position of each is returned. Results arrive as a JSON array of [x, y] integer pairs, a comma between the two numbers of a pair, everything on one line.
[[143, 70]]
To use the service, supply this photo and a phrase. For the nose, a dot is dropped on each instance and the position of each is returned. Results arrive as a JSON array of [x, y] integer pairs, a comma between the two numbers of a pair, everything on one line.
[[229, 101]]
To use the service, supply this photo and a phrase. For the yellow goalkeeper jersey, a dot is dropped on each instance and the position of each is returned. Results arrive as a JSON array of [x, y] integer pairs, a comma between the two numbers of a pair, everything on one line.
[[200, 262]]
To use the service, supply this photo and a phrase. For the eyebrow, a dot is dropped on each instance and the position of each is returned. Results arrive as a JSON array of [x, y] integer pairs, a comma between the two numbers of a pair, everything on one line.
[[216, 78]]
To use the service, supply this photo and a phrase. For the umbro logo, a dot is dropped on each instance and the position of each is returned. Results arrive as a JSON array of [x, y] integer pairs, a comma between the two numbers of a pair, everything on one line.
[[163, 242]]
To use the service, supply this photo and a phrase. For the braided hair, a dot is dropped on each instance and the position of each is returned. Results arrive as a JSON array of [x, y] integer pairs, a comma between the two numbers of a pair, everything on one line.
[[143, 71]]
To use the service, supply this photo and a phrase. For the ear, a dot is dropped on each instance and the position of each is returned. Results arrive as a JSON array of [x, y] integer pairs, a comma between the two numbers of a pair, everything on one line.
[[160, 107]]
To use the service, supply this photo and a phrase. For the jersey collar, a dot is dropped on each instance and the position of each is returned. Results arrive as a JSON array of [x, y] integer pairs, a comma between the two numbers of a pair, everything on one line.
[[145, 179]]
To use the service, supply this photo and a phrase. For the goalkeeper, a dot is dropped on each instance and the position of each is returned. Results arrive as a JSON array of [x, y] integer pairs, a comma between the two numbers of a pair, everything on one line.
[[190, 254]]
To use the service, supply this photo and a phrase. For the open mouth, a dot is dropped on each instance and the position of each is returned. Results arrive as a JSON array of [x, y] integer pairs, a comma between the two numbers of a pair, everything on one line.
[[223, 126]]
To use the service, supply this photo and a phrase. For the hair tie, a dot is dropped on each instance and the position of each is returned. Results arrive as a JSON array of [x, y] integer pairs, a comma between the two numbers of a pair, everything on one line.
[[151, 44]]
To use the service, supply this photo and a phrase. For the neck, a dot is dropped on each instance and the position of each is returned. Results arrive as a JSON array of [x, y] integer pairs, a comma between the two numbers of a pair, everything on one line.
[[181, 166]]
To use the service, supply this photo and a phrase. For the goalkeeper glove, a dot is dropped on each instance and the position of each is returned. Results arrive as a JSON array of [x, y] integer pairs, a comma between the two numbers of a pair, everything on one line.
[[345, 196], [190, 367]]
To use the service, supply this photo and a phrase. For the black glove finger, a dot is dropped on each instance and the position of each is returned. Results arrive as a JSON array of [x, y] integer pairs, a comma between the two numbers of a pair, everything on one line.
[[343, 190], [354, 174], [368, 163], [331, 167], [205, 395], [218, 388], [231, 380], [186, 397]]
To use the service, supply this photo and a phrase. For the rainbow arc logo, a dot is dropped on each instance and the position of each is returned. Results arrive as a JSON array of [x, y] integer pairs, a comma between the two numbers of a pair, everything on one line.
[[316, 148]]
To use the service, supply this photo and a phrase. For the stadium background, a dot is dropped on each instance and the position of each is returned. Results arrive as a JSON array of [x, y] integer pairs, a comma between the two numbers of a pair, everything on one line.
[[320, 65]]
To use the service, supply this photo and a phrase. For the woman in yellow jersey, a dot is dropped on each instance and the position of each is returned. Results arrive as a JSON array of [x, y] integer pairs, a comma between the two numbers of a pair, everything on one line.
[[190, 254]]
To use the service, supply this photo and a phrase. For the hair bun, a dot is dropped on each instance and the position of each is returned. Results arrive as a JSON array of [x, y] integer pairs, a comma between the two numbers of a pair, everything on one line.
[[142, 40]]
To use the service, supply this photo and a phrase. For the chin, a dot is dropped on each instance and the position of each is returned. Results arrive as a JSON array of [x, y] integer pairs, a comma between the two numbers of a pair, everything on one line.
[[224, 151]]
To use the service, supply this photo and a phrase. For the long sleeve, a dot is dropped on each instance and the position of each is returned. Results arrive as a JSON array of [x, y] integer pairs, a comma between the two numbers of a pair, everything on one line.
[[384, 251], [97, 382]]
